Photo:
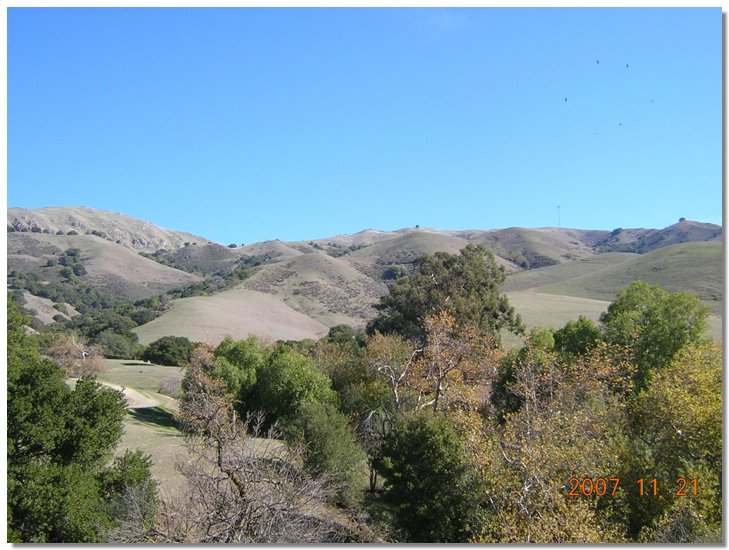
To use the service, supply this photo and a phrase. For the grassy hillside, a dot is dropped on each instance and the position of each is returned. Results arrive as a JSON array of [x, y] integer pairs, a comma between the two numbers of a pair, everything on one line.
[[695, 267], [536, 278], [111, 267], [327, 289], [113, 226], [238, 313], [533, 248]]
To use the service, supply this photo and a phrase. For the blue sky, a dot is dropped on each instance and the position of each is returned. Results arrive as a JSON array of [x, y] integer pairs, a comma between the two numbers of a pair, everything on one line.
[[242, 125]]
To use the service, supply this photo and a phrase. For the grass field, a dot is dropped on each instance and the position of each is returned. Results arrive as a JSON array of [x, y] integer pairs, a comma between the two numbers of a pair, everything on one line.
[[554, 311], [237, 312], [145, 377], [694, 267]]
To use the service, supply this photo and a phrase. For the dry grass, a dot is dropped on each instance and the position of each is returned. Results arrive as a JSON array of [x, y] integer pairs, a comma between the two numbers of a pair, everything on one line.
[[238, 313], [327, 289], [119, 228], [110, 266]]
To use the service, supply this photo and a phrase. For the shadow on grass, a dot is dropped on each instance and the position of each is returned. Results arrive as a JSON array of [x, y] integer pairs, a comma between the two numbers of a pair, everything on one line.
[[154, 415]]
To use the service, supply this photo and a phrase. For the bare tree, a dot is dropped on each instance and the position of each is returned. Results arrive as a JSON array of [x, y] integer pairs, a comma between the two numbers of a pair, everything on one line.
[[76, 357], [240, 487]]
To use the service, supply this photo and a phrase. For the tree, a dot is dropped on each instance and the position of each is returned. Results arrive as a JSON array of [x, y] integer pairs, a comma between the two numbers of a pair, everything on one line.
[[677, 434], [59, 443], [467, 285], [285, 381], [237, 362], [654, 325], [169, 350], [119, 346], [454, 361], [75, 356], [570, 424], [243, 484], [428, 481], [577, 337], [329, 449]]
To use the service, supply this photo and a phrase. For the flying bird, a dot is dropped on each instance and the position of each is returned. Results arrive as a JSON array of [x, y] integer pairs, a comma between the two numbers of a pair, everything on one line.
[[598, 61], [626, 65], [565, 99]]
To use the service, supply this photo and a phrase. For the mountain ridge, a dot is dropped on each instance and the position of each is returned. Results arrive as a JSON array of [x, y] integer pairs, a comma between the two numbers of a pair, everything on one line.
[[338, 279]]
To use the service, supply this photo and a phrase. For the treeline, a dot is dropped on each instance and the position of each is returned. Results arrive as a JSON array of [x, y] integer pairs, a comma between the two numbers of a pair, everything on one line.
[[423, 429]]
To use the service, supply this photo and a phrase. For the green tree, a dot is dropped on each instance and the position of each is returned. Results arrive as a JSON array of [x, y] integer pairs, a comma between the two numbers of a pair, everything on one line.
[[285, 381], [677, 434], [59, 442], [237, 363], [119, 346], [169, 350], [654, 325], [576, 337], [428, 480], [466, 284], [330, 449]]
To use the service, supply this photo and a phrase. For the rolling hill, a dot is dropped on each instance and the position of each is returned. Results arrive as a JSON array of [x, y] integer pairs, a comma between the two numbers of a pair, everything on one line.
[[290, 290], [238, 313], [113, 226], [111, 267]]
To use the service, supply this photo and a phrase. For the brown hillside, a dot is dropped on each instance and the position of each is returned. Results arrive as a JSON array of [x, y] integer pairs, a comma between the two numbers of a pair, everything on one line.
[[117, 228], [109, 266]]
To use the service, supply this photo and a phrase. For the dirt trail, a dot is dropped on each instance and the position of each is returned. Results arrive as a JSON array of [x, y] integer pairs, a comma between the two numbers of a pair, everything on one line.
[[135, 400]]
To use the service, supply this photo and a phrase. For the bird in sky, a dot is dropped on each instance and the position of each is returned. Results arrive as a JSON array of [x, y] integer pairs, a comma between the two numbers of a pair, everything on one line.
[[598, 61]]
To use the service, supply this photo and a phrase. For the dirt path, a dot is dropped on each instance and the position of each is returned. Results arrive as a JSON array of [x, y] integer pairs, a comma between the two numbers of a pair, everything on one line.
[[135, 400]]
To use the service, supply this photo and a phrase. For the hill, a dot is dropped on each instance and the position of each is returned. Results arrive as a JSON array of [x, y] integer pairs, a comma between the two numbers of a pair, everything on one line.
[[694, 267], [285, 289], [327, 289], [112, 226], [109, 266], [238, 313]]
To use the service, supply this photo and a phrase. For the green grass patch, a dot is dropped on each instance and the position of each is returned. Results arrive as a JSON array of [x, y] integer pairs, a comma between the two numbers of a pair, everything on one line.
[[143, 376], [158, 416]]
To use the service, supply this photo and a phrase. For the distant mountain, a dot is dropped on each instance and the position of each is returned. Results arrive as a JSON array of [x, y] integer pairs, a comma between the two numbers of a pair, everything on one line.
[[338, 279], [112, 226]]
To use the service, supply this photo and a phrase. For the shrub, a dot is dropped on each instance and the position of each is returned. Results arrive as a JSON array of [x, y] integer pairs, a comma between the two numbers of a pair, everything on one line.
[[169, 350]]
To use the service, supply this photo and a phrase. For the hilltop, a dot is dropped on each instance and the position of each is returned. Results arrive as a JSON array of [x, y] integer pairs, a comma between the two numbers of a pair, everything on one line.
[[291, 290]]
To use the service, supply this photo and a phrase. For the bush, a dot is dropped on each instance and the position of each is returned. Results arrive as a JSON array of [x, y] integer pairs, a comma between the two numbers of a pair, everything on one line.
[[428, 481], [169, 350], [285, 381], [331, 449]]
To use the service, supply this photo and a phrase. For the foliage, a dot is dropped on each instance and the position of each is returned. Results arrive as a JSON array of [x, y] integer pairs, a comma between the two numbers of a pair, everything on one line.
[[466, 285], [76, 356], [119, 346], [534, 355], [237, 362], [677, 428], [169, 350], [239, 488], [454, 361], [570, 424], [576, 337], [329, 449], [654, 325], [285, 381], [342, 333], [59, 442], [429, 482]]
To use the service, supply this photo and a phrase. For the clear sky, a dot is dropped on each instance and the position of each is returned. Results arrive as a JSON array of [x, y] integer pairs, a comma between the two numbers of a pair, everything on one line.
[[242, 125]]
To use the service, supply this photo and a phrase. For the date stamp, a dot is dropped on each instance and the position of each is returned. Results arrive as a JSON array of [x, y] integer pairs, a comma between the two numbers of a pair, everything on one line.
[[608, 486]]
